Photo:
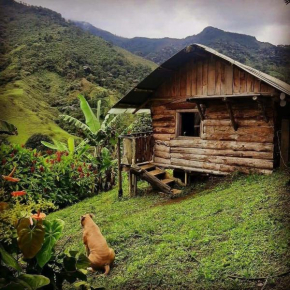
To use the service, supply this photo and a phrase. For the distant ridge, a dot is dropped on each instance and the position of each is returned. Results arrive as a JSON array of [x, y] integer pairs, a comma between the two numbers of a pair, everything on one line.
[[271, 59]]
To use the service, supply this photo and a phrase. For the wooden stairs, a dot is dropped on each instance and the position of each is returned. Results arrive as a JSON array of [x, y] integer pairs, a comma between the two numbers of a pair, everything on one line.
[[157, 177]]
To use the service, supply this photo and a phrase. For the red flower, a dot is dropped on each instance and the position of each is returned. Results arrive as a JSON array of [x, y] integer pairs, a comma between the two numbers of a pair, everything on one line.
[[41, 168], [22, 145], [32, 169], [80, 169], [82, 175], [58, 158], [88, 174], [12, 155], [72, 166], [39, 215], [11, 179], [18, 193], [4, 161]]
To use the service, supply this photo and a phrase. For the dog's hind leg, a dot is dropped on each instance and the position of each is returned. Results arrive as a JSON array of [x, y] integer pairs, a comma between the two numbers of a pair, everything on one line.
[[107, 269]]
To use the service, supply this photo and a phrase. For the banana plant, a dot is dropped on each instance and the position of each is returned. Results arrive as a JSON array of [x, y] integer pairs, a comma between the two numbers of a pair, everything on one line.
[[93, 128], [70, 147]]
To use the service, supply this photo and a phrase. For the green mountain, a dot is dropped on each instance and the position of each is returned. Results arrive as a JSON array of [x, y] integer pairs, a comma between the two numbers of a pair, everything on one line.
[[46, 61], [274, 60]]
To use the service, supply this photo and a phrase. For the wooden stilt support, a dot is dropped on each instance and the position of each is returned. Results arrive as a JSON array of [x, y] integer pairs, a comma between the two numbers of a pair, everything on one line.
[[130, 182], [185, 178], [232, 117], [134, 185], [120, 192], [285, 142]]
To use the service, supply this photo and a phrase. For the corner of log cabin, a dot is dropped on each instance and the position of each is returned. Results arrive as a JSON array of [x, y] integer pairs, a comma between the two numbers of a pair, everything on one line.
[[219, 148]]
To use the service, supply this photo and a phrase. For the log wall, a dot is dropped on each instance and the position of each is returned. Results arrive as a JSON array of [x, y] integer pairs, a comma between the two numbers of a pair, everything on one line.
[[220, 149]]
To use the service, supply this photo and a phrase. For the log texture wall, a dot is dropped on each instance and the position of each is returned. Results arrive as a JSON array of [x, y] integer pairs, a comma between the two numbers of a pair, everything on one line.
[[220, 149]]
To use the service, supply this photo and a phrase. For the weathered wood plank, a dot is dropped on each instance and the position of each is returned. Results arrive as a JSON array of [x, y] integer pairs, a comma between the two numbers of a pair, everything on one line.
[[199, 78], [243, 82], [213, 144], [236, 80], [161, 160], [183, 80], [261, 131], [188, 78], [240, 122], [218, 78], [250, 83], [228, 160], [237, 137], [159, 147], [211, 77], [161, 130], [229, 80], [163, 124], [257, 85], [163, 118], [223, 78], [204, 76], [162, 154], [163, 137], [194, 74], [223, 152], [217, 167], [285, 133]]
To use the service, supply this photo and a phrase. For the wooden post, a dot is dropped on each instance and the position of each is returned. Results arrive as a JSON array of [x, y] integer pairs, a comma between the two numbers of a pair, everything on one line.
[[130, 182], [232, 117], [185, 178], [120, 192], [285, 133]]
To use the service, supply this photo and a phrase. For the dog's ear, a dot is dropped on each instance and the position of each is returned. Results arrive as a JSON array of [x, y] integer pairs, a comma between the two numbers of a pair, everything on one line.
[[82, 218], [92, 216]]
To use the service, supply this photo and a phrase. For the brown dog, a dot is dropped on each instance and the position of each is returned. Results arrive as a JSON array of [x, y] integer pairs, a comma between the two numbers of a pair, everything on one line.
[[98, 251]]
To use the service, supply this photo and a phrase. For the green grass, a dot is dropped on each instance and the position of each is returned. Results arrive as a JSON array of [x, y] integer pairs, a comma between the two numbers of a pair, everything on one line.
[[235, 227], [25, 107]]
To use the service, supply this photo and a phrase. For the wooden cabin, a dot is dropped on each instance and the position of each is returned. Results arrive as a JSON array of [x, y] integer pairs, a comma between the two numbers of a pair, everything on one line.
[[211, 114]]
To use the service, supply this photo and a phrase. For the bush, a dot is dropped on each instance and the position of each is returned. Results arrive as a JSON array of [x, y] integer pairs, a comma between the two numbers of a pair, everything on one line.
[[61, 177], [34, 141]]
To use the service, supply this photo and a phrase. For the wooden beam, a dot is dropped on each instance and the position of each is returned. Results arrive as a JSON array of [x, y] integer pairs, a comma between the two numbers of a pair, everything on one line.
[[202, 117], [120, 192], [285, 133], [141, 106], [232, 117]]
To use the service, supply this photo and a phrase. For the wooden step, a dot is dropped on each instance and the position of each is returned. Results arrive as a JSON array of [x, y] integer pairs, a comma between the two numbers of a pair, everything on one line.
[[167, 180], [176, 191], [156, 172], [148, 166]]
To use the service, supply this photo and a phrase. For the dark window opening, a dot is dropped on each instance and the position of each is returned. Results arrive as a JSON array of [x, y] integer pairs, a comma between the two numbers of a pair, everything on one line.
[[189, 124]]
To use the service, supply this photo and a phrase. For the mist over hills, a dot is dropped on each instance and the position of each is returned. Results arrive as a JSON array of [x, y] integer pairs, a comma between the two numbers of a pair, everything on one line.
[[274, 60]]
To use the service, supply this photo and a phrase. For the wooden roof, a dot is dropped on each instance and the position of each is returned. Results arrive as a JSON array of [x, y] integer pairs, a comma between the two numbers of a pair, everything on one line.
[[140, 93]]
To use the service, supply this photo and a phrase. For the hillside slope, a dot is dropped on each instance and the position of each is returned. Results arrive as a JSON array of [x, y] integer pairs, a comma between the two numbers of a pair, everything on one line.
[[46, 62], [235, 227], [271, 59]]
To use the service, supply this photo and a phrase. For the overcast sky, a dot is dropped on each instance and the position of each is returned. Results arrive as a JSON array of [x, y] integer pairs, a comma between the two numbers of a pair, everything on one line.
[[268, 20]]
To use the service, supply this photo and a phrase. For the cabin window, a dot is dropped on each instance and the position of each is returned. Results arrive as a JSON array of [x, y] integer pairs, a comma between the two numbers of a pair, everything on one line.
[[188, 124]]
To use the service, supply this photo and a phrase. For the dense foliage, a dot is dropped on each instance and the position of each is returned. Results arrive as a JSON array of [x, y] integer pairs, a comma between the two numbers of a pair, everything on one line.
[[57, 177]]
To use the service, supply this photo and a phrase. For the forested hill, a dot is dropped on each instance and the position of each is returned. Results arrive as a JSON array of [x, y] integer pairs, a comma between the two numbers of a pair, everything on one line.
[[46, 62], [274, 60]]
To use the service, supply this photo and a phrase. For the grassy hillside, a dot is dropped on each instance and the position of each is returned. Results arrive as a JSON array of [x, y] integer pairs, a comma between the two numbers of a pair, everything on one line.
[[271, 59], [237, 227], [46, 62]]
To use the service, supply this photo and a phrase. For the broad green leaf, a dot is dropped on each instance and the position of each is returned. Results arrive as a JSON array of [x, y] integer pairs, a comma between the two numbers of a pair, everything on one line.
[[99, 110], [15, 286], [60, 145], [53, 231], [49, 145], [71, 144], [34, 281], [30, 238], [77, 123], [91, 120], [9, 259], [82, 262]]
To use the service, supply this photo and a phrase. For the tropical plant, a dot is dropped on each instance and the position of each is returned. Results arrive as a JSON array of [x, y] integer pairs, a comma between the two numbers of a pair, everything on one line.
[[59, 177]]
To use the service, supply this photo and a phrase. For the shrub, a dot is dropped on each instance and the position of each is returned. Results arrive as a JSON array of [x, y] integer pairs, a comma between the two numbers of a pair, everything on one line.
[[34, 141], [61, 178]]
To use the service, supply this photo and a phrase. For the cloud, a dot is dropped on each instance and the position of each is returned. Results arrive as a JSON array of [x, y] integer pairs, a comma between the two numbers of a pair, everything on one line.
[[268, 20]]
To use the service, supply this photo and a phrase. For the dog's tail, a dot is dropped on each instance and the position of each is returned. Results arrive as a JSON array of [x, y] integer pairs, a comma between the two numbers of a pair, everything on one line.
[[107, 269]]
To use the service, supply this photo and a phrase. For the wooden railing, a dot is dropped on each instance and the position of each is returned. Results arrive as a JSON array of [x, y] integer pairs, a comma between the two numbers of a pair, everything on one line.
[[137, 148]]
